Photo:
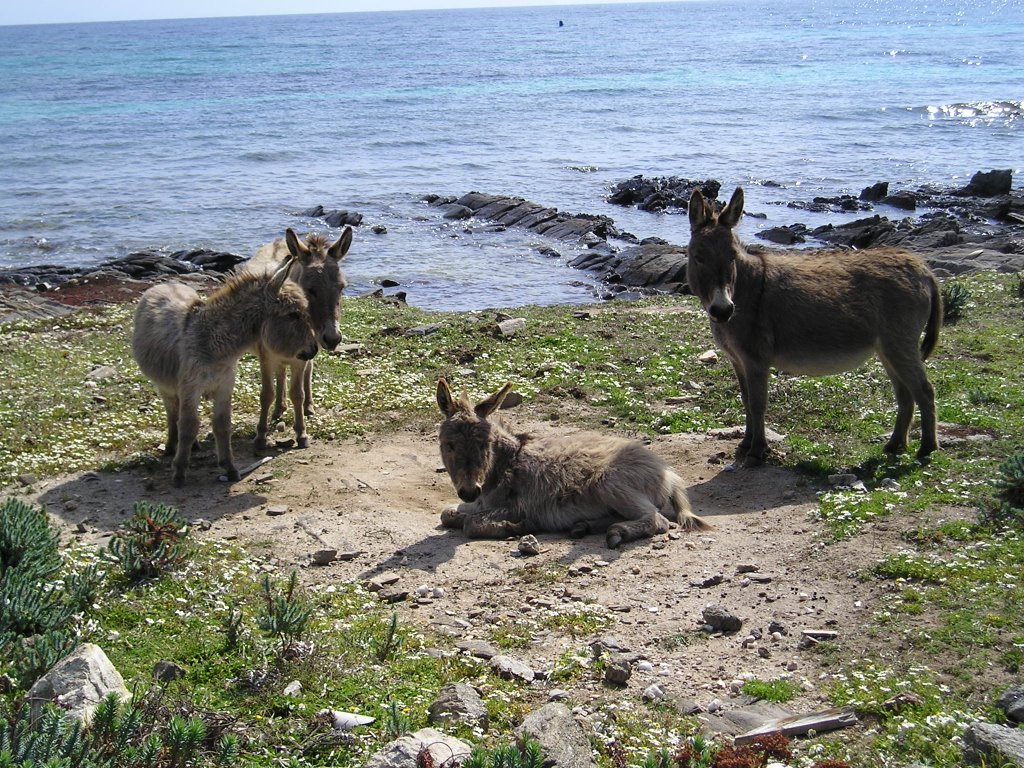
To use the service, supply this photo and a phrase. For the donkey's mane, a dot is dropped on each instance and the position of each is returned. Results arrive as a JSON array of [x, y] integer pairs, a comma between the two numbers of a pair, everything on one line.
[[237, 280], [317, 241]]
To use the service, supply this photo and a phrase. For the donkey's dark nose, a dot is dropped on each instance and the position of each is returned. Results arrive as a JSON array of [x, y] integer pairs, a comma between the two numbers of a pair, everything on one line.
[[330, 340], [469, 494], [720, 313], [308, 354]]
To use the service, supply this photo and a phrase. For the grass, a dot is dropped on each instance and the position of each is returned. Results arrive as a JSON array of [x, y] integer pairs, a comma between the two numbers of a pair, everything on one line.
[[778, 690], [946, 634]]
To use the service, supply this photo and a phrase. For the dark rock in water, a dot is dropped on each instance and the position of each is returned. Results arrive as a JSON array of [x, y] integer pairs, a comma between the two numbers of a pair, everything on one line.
[[456, 211], [989, 184], [343, 218], [791, 235], [905, 200], [658, 194], [875, 192]]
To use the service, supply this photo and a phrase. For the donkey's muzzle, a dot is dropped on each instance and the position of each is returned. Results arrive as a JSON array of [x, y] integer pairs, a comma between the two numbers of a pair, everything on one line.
[[721, 313], [469, 494], [330, 340], [307, 354]]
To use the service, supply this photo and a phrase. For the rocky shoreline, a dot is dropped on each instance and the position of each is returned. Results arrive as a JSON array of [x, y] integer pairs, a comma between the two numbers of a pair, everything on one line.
[[976, 227]]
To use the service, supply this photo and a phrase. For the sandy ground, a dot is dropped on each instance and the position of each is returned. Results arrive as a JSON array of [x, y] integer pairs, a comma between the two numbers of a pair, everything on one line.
[[377, 501]]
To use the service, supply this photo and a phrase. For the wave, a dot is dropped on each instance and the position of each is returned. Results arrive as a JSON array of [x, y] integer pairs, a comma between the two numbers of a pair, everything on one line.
[[985, 111]]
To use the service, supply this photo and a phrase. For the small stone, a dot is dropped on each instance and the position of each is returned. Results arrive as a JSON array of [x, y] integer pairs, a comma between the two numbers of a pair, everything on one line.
[[653, 692], [437, 592], [764, 653], [528, 545], [324, 556], [167, 671], [746, 568], [792, 666], [277, 510], [720, 619], [844, 480], [294, 688], [644, 666], [708, 358], [27, 479], [617, 673], [713, 706], [709, 581]]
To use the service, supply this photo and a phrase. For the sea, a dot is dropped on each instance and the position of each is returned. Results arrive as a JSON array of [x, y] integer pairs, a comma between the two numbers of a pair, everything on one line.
[[218, 133]]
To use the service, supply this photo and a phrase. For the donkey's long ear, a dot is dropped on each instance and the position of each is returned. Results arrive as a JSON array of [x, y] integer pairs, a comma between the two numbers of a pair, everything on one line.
[[486, 407], [278, 278], [340, 248], [445, 401], [731, 214], [296, 247], [698, 212]]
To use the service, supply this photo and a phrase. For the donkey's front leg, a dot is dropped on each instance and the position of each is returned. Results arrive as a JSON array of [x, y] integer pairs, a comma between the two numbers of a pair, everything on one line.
[[266, 399], [297, 392], [307, 388], [222, 429], [188, 431], [755, 388]]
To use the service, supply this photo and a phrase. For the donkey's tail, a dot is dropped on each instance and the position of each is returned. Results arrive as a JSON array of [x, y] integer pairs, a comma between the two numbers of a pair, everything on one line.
[[931, 331], [684, 516]]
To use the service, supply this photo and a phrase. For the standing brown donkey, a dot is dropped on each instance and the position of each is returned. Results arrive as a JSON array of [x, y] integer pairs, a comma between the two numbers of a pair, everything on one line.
[[814, 314]]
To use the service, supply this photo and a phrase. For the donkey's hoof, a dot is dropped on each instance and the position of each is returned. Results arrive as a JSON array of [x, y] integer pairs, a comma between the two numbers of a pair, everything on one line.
[[259, 444], [579, 530], [231, 475], [613, 538], [451, 517], [178, 481], [302, 442]]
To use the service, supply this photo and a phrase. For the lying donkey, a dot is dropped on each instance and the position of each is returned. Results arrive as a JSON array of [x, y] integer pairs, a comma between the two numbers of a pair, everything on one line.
[[518, 484], [814, 313]]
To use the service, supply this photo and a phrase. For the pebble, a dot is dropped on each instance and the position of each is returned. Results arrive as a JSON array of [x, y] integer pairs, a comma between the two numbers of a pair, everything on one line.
[[324, 556], [528, 545], [644, 666], [653, 692], [277, 510], [294, 688], [714, 705]]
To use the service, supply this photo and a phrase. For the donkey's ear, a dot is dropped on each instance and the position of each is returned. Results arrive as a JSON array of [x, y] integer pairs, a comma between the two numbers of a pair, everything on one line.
[[486, 407], [340, 248], [697, 210], [296, 247], [278, 278], [445, 401], [731, 214]]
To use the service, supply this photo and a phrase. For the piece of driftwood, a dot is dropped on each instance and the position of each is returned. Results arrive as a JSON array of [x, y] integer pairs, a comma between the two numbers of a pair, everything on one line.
[[799, 725]]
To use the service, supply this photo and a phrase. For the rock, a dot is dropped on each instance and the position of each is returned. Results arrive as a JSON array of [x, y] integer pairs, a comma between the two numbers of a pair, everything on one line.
[[478, 648], [528, 545], [563, 741], [987, 744], [875, 192], [276, 510], [653, 692], [1012, 703], [167, 671], [405, 752], [510, 668], [512, 326], [458, 703], [721, 620], [617, 673], [80, 680], [458, 212], [789, 235], [904, 200], [710, 357], [989, 184], [101, 372], [294, 688], [324, 556]]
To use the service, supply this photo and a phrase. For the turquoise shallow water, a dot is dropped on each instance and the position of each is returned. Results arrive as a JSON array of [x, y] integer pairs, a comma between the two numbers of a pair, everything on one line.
[[213, 133]]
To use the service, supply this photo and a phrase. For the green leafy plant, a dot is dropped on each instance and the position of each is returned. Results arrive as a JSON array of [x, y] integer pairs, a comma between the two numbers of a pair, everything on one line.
[[384, 647], [523, 753], [285, 615], [152, 541], [1008, 509], [396, 722], [770, 690], [954, 301]]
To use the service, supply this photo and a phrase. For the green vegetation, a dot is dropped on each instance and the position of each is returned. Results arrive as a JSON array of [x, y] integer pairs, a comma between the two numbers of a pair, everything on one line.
[[944, 637], [778, 690]]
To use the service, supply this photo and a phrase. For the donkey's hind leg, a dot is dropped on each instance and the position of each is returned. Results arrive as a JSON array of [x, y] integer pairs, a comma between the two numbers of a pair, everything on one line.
[[171, 406], [910, 382], [643, 520]]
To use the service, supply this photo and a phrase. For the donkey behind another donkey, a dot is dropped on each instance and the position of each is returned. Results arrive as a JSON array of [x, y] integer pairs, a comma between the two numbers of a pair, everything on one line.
[[315, 266], [189, 348], [815, 314], [517, 484]]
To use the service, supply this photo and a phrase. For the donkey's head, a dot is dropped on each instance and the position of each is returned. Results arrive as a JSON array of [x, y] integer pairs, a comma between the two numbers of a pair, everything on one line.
[[288, 329], [713, 250], [316, 267], [467, 438]]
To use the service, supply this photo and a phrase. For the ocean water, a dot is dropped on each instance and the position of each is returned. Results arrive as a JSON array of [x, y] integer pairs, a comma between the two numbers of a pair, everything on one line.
[[214, 133]]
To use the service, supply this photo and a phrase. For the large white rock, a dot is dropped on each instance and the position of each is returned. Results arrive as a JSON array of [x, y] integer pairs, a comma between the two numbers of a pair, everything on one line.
[[404, 752], [78, 682]]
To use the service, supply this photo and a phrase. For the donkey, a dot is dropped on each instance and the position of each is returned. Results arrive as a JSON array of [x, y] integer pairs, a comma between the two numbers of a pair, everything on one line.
[[190, 348], [517, 484], [315, 267], [814, 314]]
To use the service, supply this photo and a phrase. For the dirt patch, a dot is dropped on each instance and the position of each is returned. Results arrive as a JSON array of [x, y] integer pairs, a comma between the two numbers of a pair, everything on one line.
[[377, 500]]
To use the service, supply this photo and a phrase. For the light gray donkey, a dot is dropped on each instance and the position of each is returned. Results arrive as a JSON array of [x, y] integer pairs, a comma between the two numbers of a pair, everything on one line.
[[814, 314], [190, 348], [517, 484], [316, 269]]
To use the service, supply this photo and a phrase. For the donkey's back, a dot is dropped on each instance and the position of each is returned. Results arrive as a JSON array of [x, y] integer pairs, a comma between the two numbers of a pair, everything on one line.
[[159, 332], [827, 312]]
